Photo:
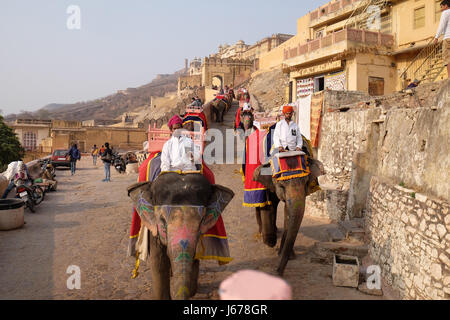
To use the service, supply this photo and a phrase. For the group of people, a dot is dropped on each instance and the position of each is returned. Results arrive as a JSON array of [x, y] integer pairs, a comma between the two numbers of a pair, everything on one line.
[[105, 152]]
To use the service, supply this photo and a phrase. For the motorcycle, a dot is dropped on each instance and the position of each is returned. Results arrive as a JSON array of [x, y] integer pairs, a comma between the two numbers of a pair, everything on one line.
[[26, 194], [119, 163]]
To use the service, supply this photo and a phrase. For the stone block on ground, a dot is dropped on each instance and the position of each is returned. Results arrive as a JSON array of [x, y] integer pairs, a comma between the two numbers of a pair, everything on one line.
[[327, 250], [353, 229], [345, 271]]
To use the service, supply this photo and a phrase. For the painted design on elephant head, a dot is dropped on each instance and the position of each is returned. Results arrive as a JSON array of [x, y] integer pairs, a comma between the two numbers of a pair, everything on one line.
[[167, 210], [183, 235], [144, 208], [182, 290], [162, 230], [217, 205]]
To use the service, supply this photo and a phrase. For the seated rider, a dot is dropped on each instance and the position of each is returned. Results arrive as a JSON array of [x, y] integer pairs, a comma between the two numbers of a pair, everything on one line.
[[178, 153], [287, 136]]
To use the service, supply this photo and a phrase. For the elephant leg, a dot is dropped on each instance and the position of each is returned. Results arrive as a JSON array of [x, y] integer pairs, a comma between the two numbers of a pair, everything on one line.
[[194, 277], [258, 219], [269, 233], [275, 201], [292, 255], [160, 265]]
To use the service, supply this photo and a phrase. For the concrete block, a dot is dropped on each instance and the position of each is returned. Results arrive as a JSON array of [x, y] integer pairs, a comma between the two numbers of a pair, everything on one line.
[[329, 249], [345, 271]]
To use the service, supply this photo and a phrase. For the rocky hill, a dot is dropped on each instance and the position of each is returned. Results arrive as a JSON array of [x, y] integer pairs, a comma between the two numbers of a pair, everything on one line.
[[109, 107], [268, 89]]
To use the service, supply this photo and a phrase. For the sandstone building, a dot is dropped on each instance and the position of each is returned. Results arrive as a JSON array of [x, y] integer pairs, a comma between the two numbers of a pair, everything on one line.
[[44, 136], [373, 46]]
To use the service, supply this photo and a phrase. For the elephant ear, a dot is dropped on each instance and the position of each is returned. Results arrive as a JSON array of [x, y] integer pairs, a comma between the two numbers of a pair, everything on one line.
[[263, 174], [316, 168], [220, 198], [141, 196]]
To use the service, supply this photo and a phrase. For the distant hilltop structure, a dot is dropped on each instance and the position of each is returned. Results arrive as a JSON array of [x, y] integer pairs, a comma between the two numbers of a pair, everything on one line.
[[241, 50]]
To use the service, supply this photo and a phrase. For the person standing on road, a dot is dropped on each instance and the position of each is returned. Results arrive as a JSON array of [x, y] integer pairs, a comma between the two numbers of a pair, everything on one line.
[[444, 28], [75, 155], [107, 157], [94, 154]]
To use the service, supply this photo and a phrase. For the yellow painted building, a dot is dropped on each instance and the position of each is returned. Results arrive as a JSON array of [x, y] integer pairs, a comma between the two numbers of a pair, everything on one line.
[[374, 46]]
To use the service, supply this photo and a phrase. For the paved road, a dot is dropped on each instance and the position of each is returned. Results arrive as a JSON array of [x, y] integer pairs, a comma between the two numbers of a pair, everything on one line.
[[86, 224]]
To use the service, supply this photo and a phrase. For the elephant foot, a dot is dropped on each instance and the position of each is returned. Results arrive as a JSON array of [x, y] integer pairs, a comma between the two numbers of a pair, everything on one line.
[[270, 240], [292, 256]]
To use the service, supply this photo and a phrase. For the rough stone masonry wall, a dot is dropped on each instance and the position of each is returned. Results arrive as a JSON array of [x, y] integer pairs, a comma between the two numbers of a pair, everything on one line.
[[343, 134], [403, 137], [410, 240]]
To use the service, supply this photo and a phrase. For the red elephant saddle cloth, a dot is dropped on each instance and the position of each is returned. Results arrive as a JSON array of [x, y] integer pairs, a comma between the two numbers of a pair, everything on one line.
[[286, 168], [255, 193]]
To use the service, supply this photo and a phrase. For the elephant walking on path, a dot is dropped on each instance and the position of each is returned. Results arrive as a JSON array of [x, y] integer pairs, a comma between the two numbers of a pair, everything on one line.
[[177, 209]]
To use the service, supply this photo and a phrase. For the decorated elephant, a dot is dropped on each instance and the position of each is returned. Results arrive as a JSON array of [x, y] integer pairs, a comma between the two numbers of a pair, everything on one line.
[[264, 190], [177, 209], [218, 108], [293, 193]]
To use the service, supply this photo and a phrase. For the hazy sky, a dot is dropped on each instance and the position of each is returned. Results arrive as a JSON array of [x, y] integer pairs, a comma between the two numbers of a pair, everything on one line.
[[120, 44]]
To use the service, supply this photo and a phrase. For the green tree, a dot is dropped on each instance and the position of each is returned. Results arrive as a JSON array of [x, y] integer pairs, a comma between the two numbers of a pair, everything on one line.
[[10, 147]]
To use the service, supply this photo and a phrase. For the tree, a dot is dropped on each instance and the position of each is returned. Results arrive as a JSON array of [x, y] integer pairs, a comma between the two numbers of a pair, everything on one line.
[[10, 147]]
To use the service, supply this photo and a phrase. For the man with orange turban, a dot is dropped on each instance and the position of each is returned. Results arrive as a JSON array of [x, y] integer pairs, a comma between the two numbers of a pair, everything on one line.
[[287, 135]]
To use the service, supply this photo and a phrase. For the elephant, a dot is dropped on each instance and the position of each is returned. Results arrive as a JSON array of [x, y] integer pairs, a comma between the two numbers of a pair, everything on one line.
[[218, 107], [293, 192], [177, 209]]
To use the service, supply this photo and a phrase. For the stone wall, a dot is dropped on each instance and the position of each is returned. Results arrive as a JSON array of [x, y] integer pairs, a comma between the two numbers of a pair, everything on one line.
[[387, 136], [410, 240], [372, 149]]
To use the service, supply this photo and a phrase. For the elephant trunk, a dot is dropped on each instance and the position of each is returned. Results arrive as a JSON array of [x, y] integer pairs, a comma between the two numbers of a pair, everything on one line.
[[182, 287], [295, 209], [183, 283]]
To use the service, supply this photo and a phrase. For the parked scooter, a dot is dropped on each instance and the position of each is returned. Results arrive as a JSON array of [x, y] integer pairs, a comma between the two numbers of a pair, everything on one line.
[[119, 163], [26, 194]]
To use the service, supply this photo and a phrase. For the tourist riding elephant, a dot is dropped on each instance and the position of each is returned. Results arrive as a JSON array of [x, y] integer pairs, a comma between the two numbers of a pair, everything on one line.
[[218, 107], [293, 192], [177, 209]]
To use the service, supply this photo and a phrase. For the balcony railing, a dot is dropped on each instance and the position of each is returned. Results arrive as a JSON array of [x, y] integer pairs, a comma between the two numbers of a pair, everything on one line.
[[330, 8], [369, 38]]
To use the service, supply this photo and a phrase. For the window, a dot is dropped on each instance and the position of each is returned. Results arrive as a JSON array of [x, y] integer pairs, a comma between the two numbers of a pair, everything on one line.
[[437, 11], [419, 17], [319, 33], [376, 86], [29, 141]]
